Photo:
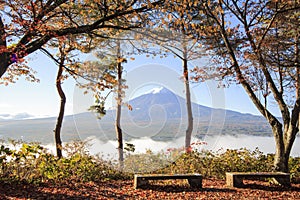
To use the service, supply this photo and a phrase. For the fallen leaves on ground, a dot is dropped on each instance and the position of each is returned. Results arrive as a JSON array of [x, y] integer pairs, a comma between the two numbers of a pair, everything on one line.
[[212, 189]]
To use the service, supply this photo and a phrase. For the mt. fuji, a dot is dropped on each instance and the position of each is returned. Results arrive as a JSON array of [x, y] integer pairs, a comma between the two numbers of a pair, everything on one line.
[[160, 105], [159, 108], [163, 100]]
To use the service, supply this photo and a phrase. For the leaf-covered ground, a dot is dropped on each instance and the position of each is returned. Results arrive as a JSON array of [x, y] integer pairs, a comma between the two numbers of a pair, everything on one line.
[[212, 189]]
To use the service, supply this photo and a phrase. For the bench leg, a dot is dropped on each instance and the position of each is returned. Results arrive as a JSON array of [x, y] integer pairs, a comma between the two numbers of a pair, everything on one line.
[[234, 181], [195, 182], [139, 182]]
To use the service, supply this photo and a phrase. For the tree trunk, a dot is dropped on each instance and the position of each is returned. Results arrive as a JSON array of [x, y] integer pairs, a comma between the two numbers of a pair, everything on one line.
[[118, 118], [4, 55], [283, 149], [280, 160], [60, 117], [4, 62], [189, 130], [291, 126], [120, 141]]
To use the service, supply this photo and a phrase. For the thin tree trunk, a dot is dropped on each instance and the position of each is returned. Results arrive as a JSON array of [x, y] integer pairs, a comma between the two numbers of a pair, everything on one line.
[[57, 130], [189, 130], [118, 117], [118, 111]]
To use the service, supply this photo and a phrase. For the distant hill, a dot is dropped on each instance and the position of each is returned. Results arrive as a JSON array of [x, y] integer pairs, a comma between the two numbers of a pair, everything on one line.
[[159, 114], [19, 116]]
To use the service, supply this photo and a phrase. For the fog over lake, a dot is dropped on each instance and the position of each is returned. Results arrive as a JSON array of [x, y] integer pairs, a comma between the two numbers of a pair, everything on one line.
[[215, 143]]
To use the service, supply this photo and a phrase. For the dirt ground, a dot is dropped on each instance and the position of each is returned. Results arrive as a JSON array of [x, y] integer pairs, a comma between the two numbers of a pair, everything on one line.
[[177, 189]]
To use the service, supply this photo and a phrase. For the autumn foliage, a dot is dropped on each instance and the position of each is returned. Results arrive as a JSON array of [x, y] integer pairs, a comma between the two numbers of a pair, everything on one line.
[[254, 43]]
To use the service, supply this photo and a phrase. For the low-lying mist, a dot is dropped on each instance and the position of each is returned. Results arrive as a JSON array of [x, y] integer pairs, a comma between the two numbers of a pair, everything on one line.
[[214, 143]]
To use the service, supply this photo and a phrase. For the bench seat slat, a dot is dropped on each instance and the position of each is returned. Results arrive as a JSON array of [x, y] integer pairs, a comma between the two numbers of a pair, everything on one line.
[[195, 180], [169, 176], [235, 179]]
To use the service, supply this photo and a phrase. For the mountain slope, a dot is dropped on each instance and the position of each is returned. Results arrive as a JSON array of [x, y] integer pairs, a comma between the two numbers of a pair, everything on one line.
[[160, 115], [174, 107]]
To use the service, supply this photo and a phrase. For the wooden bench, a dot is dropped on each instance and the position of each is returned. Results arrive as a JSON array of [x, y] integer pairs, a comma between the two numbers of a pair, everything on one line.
[[235, 179], [140, 180]]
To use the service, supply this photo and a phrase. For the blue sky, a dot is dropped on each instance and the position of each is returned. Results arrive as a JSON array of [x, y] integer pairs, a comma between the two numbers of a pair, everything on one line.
[[41, 99]]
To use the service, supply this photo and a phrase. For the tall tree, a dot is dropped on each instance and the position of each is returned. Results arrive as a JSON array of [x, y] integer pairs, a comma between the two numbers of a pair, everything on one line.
[[112, 54], [186, 49], [59, 77], [174, 36], [65, 63], [256, 44], [29, 25]]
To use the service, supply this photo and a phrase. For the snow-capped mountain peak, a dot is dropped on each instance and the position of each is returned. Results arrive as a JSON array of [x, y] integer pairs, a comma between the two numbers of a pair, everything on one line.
[[159, 90], [155, 90]]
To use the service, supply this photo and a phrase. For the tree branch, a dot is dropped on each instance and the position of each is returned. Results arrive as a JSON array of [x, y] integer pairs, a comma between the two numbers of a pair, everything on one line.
[[38, 43], [264, 111], [44, 11], [277, 95]]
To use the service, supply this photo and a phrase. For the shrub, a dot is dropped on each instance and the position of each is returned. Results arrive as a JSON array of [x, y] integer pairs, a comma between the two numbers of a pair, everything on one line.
[[294, 165], [33, 163], [216, 164], [145, 162]]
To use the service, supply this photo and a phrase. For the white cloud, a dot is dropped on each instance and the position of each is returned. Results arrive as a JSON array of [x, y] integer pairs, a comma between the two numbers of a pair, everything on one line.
[[5, 105]]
